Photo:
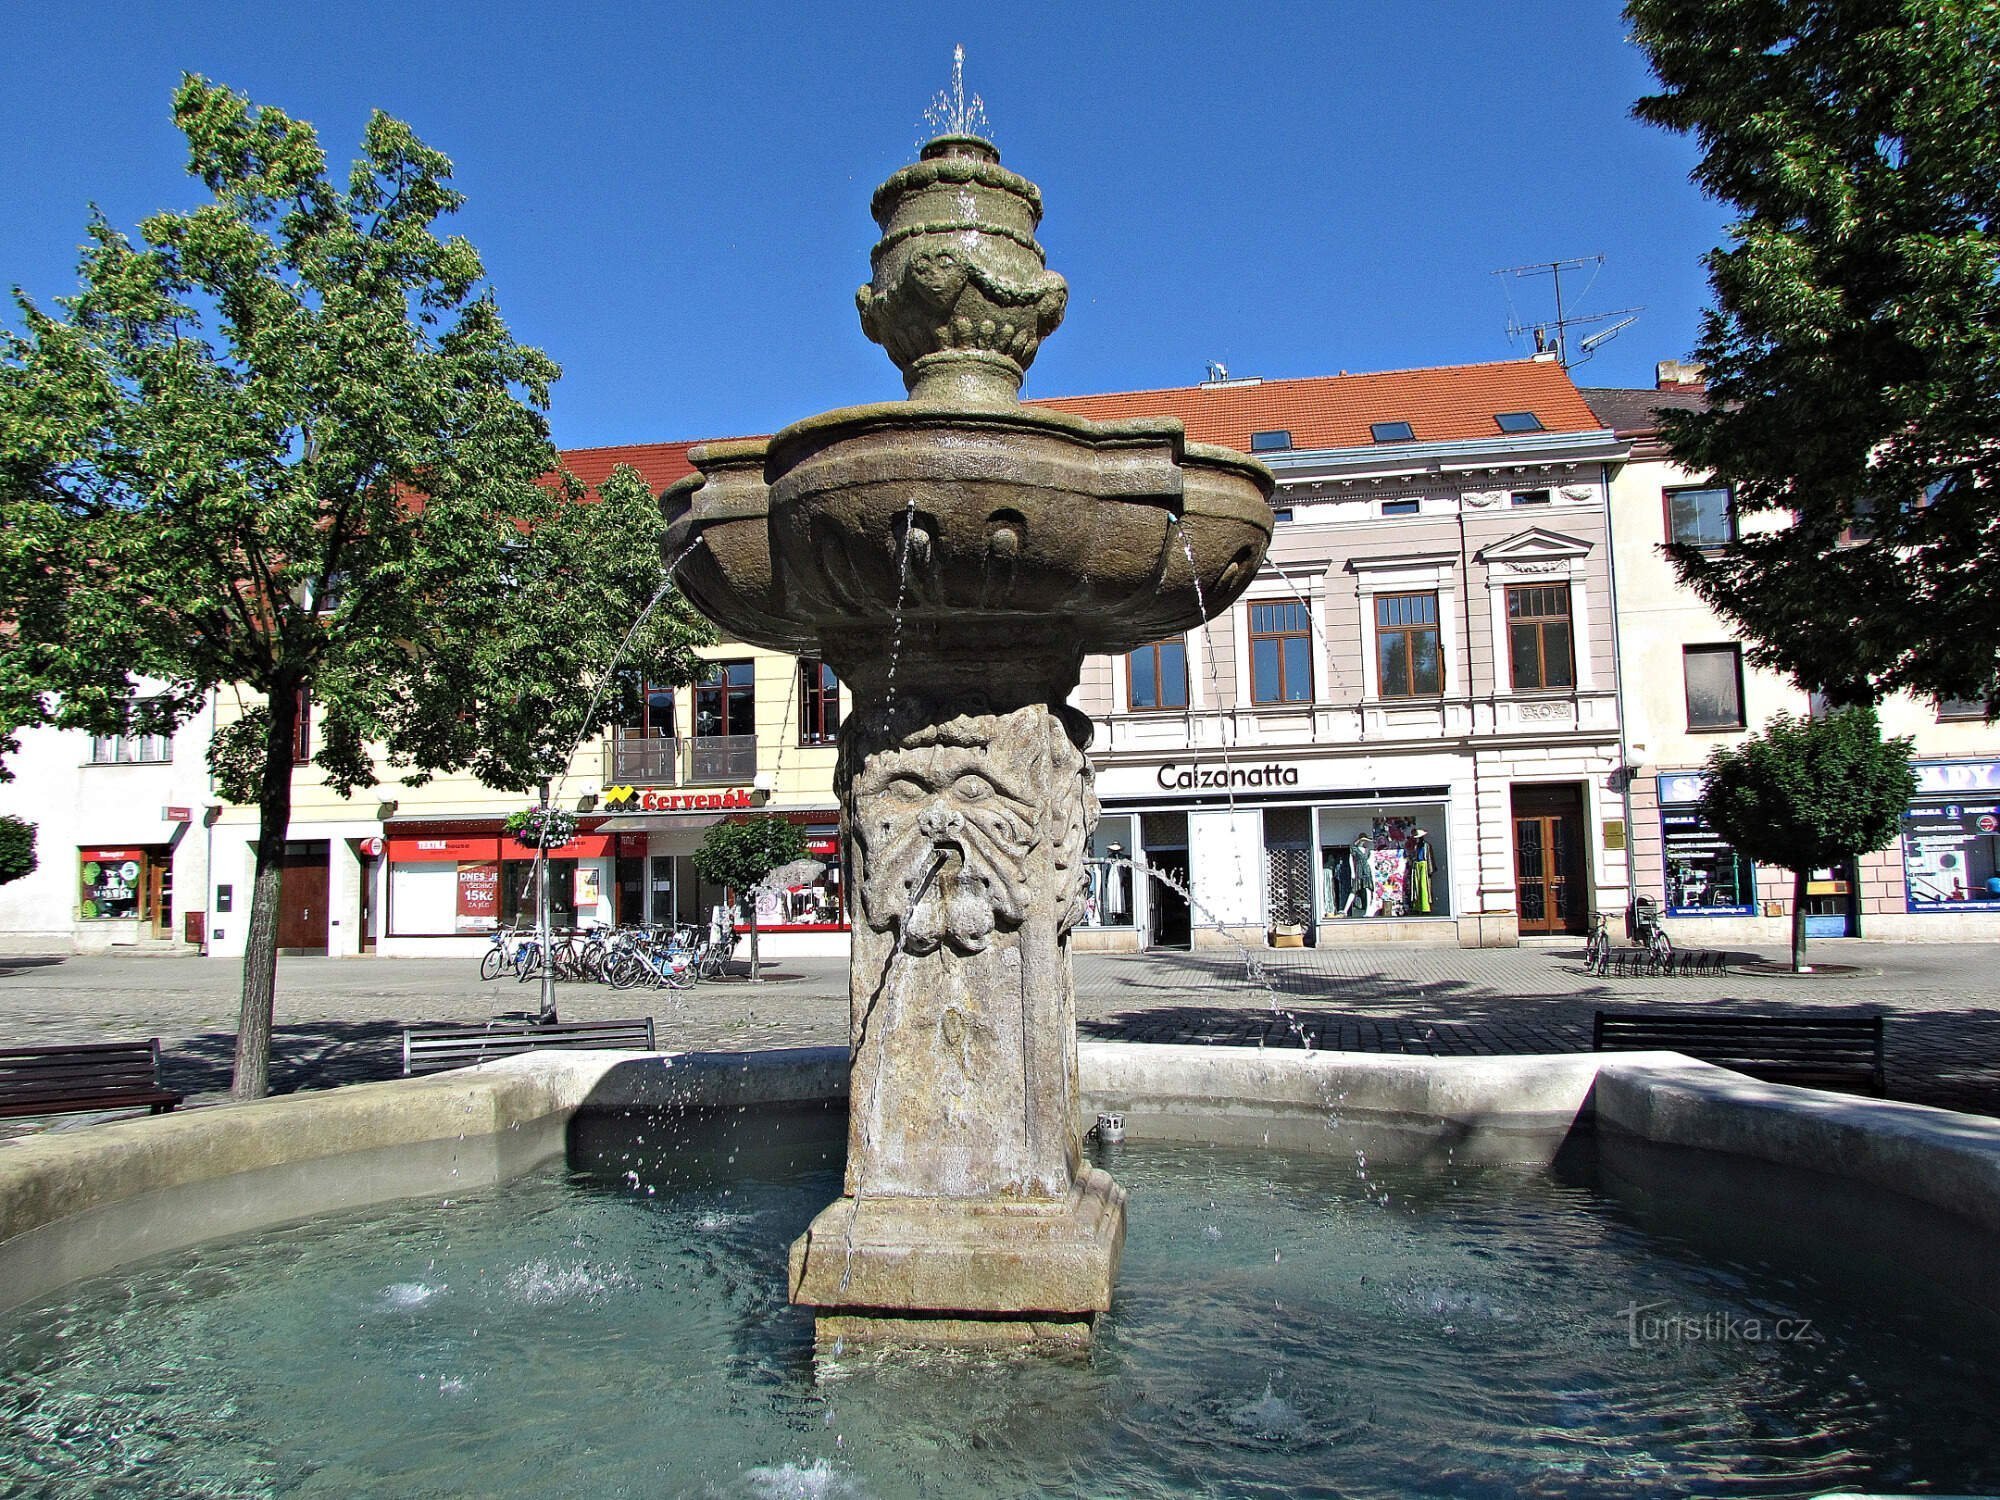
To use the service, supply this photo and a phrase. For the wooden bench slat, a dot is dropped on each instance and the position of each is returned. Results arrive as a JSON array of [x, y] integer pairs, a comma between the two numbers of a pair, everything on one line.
[[435, 1048], [1819, 1049], [76, 1076]]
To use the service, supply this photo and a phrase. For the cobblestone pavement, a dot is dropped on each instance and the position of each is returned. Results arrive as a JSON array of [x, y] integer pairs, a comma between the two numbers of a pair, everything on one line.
[[340, 1020]]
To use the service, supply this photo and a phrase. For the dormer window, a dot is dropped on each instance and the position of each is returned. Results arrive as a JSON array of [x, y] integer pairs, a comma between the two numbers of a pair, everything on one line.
[[1276, 440], [1519, 421], [1391, 432]]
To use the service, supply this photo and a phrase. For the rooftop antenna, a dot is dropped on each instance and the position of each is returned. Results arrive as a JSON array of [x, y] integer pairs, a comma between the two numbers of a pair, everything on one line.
[[1217, 372], [1553, 334]]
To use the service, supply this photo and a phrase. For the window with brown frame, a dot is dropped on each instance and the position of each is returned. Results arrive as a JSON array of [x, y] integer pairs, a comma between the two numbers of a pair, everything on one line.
[[725, 700], [1539, 644], [1156, 675], [819, 704], [1714, 677], [1409, 654], [302, 733], [1280, 653]]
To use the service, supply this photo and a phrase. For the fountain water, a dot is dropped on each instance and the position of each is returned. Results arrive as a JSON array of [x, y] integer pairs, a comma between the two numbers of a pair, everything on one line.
[[953, 557]]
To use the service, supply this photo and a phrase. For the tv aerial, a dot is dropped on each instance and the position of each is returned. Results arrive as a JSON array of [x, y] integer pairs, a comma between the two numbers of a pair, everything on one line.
[[1553, 335]]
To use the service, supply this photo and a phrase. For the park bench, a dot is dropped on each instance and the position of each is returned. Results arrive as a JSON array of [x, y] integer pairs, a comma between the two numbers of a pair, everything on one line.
[[76, 1076], [431, 1049], [1819, 1051]]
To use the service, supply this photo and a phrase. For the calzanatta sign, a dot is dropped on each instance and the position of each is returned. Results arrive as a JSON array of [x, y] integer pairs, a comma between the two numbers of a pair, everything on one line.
[[646, 799], [1191, 778]]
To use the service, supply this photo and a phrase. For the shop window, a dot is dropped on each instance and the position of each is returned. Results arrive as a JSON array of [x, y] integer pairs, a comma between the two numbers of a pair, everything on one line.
[[1409, 654], [725, 701], [1280, 653], [1108, 897], [519, 903], [1705, 876], [1382, 861], [113, 883], [1951, 854], [1156, 675], [130, 746], [1539, 646], [819, 704], [1703, 517], [1714, 676]]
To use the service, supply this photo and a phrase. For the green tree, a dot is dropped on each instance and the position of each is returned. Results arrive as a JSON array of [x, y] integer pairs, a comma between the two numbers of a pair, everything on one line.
[[17, 848], [285, 443], [742, 856], [1807, 794], [1853, 351]]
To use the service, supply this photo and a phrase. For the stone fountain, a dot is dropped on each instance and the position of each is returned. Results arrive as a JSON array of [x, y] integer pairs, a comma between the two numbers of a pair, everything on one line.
[[953, 557]]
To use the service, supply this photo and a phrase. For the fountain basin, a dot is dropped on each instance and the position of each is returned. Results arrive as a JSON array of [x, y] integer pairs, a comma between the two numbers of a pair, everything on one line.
[[1355, 1304], [76, 1203], [1005, 523]]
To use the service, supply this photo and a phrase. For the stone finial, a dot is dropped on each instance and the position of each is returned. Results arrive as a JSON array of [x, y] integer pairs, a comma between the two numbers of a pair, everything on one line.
[[962, 296]]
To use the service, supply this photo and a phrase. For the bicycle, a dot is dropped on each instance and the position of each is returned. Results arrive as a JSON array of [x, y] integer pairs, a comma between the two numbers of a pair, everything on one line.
[[1647, 931], [1597, 947], [505, 952]]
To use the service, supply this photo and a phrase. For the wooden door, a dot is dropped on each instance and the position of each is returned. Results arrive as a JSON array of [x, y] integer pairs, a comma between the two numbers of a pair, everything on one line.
[[1550, 891], [302, 898], [160, 891], [366, 915]]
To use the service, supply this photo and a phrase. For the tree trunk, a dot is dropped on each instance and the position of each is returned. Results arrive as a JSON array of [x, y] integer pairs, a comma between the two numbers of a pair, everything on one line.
[[1800, 878], [252, 1077], [753, 942], [547, 1014]]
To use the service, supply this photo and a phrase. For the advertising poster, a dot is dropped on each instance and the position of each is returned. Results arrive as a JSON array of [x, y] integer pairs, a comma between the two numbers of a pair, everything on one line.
[[1705, 877], [111, 882], [1949, 855], [585, 885], [479, 896]]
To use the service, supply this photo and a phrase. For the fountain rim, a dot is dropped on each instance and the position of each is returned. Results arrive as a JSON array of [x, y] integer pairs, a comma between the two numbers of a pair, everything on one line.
[[819, 430]]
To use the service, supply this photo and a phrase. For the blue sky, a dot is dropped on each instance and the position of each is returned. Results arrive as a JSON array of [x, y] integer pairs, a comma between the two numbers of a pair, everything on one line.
[[673, 199]]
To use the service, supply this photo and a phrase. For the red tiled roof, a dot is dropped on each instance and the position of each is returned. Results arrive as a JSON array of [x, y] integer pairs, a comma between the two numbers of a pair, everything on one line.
[[1325, 411], [1334, 411], [659, 463]]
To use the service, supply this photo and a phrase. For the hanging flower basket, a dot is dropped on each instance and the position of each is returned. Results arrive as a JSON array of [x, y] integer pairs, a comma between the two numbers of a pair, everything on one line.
[[542, 827]]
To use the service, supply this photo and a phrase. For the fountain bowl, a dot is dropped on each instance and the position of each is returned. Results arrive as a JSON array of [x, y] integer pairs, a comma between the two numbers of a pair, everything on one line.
[[1035, 525]]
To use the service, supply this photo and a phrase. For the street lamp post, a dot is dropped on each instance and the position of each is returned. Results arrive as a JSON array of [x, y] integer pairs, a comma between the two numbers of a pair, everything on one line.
[[548, 1014]]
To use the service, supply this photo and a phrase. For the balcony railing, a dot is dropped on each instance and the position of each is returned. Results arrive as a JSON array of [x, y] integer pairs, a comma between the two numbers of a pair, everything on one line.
[[648, 759], [722, 757], [657, 760]]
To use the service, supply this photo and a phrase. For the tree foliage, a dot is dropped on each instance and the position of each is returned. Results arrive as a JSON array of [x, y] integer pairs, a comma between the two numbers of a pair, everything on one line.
[[739, 855], [1853, 351], [1810, 794], [17, 848], [284, 443]]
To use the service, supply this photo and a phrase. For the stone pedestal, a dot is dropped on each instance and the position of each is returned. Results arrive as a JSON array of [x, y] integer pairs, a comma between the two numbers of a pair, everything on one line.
[[968, 1214], [963, 1271]]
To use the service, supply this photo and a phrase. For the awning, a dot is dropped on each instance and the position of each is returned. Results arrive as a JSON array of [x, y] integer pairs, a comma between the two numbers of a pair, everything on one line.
[[659, 822]]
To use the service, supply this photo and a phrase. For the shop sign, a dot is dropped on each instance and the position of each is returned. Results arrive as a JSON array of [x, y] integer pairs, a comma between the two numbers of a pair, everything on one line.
[[1957, 778], [442, 848], [1682, 786], [372, 848], [1705, 876], [651, 799], [585, 886], [479, 896], [1201, 778], [177, 814], [1951, 856]]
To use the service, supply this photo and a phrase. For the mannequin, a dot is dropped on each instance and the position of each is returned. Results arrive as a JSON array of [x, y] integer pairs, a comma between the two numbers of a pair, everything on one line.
[[1361, 869]]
